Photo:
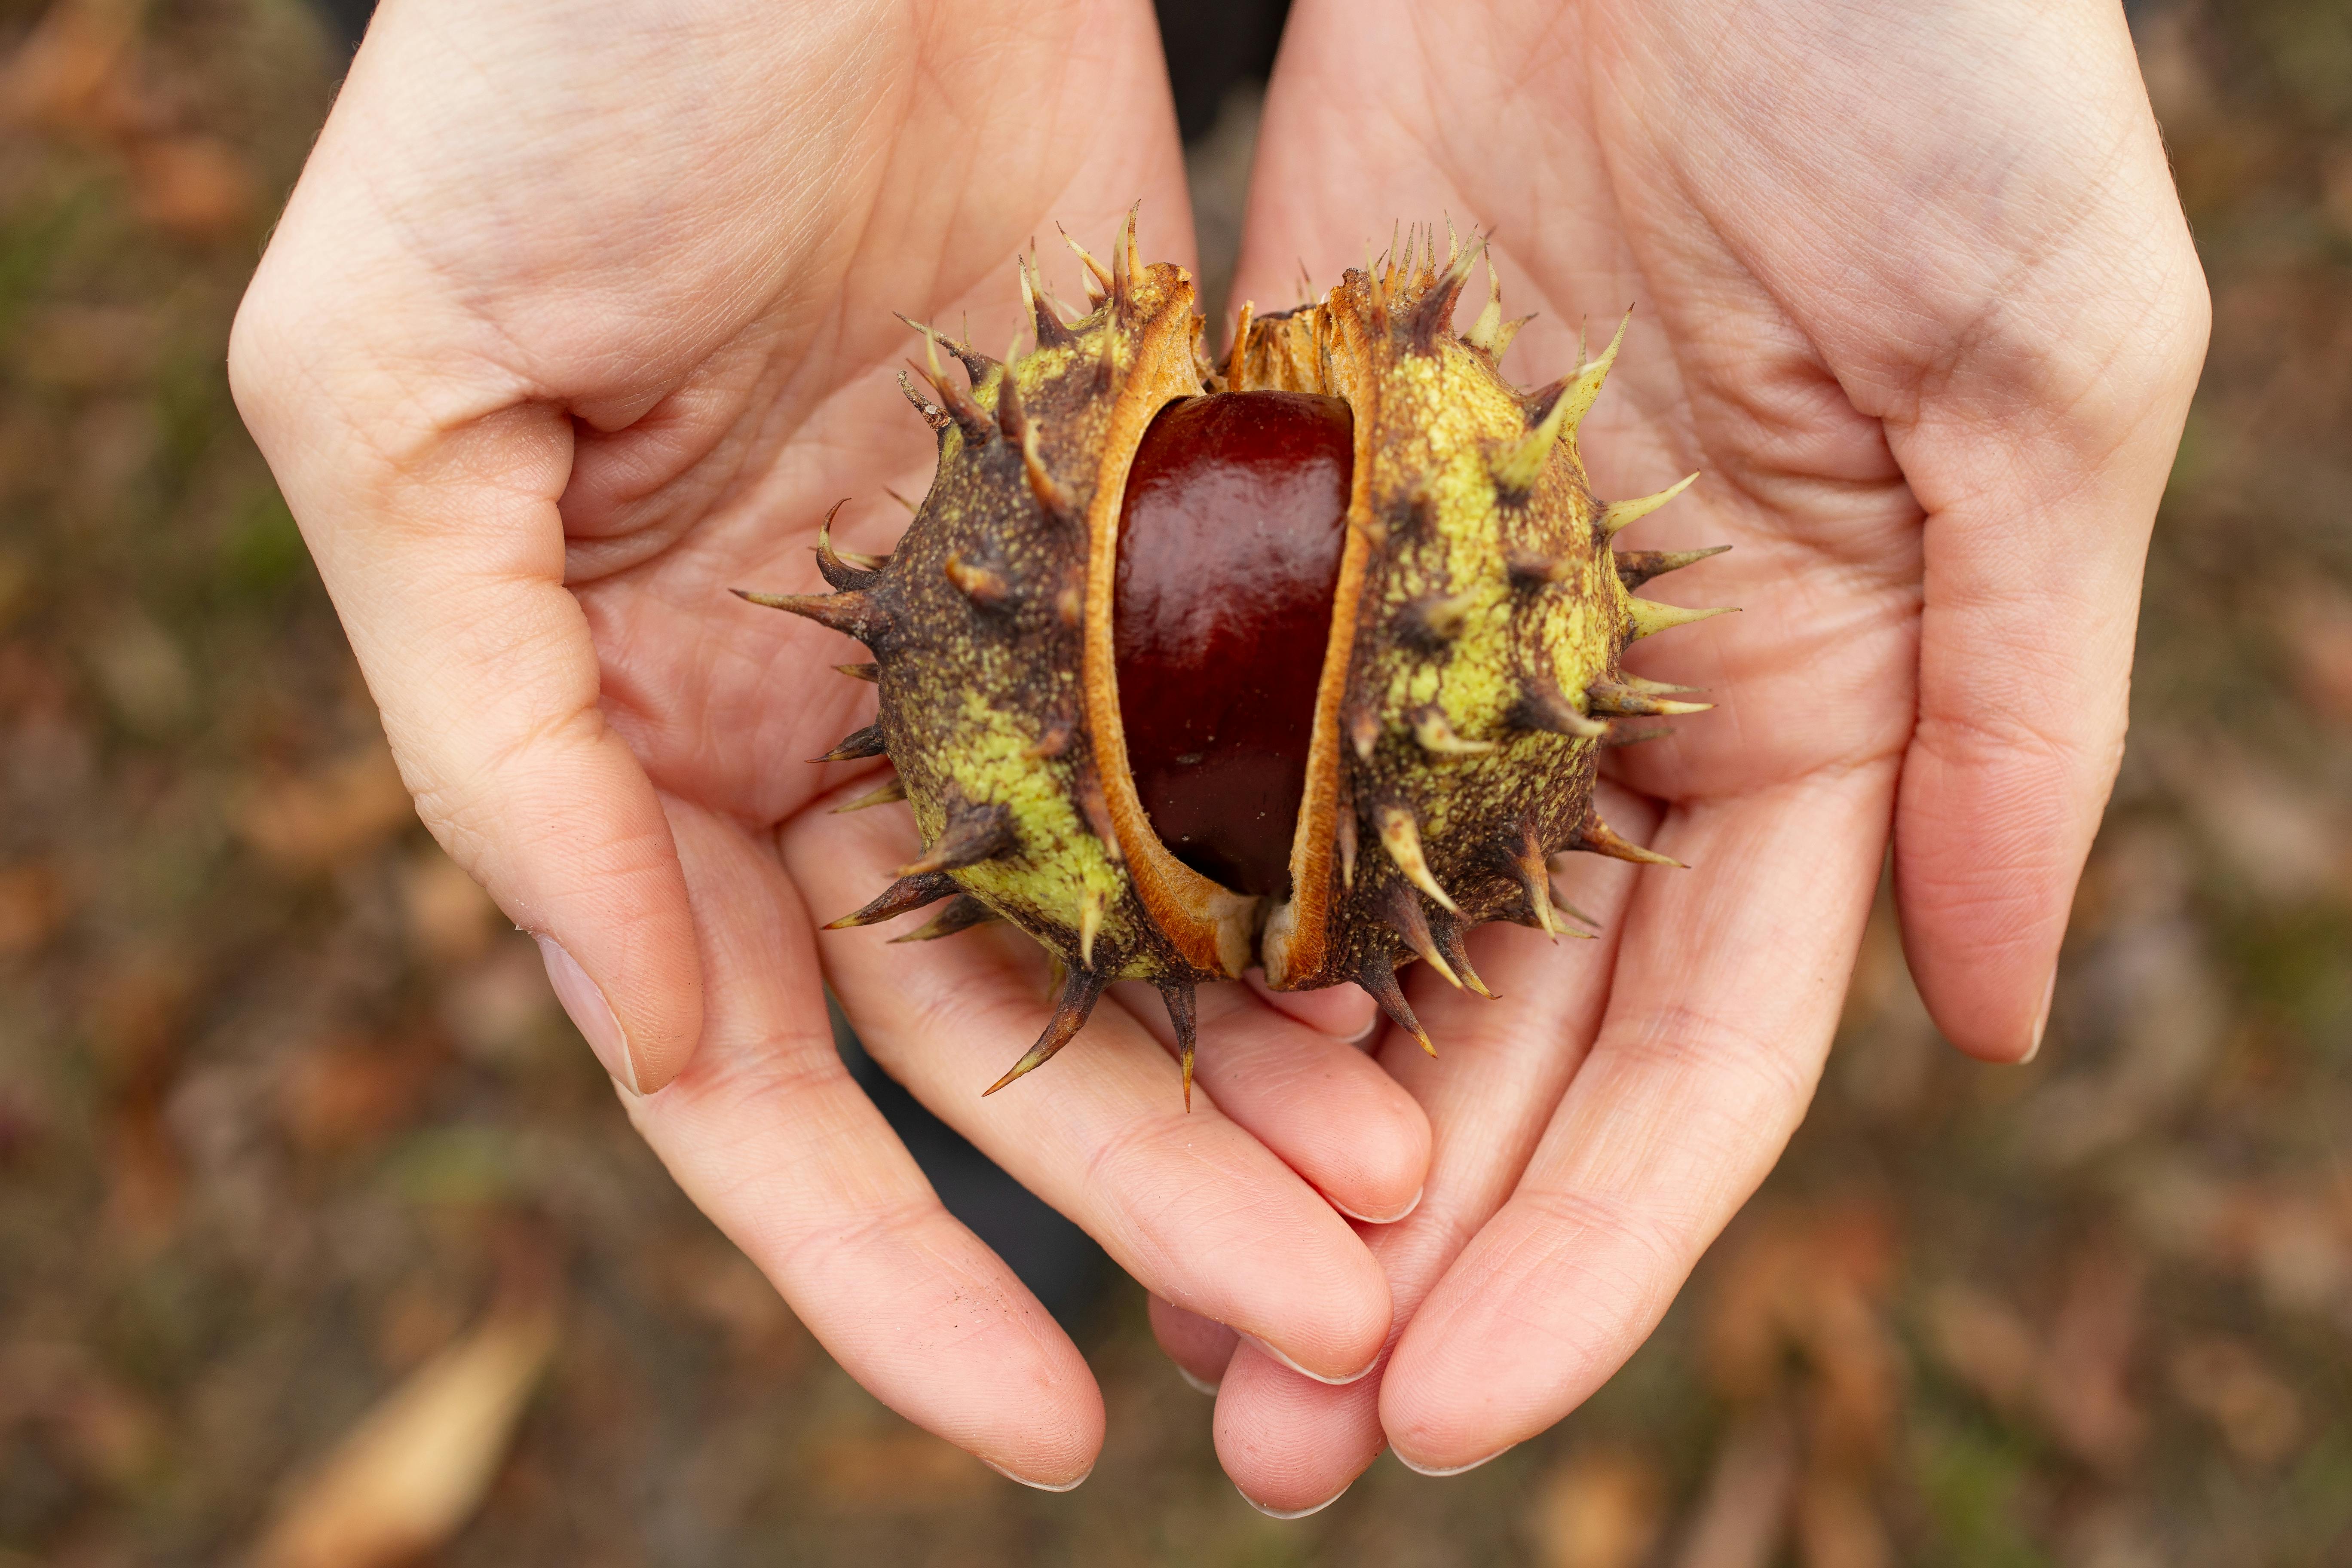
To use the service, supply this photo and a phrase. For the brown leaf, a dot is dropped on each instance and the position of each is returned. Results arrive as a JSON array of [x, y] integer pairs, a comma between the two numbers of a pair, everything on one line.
[[71, 72], [32, 907], [1837, 1527], [2318, 624], [313, 821], [1984, 1343], [417, 1467], [450, 919], [197, 186], [1744, 1515], [2226, 1382], [2084, 1391], [899, 1469], [346, 1093], [1597, 1508]]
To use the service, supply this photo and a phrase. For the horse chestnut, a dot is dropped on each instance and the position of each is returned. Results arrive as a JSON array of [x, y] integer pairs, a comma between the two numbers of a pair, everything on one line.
[[1303, 660]]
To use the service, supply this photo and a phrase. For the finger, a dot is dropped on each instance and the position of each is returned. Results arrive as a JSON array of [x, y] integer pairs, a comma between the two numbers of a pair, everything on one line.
[[1726, 990], [1322, 1105], [1291, 1445], [1199, 1347], [439, 537], [1188, 1203], [768, 1135], [1344, 1011]]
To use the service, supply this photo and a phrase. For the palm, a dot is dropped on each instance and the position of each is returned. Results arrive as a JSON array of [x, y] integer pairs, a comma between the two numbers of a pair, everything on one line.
[[582, 316], [1825, 333]]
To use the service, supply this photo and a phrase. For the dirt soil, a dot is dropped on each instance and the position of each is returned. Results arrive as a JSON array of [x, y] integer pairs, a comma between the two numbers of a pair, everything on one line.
[[323, 1239]]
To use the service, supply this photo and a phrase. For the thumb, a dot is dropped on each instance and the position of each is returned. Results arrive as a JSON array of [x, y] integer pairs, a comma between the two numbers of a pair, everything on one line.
[[438, 533]]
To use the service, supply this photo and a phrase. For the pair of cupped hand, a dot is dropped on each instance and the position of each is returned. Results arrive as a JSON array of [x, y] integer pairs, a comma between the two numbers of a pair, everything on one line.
[[582, 315]]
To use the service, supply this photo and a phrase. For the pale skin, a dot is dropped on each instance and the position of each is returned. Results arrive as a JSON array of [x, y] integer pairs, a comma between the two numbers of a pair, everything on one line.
[[581, 316]]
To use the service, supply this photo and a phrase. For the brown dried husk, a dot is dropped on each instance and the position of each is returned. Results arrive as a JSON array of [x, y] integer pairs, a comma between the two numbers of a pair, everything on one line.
[[1469, 681]]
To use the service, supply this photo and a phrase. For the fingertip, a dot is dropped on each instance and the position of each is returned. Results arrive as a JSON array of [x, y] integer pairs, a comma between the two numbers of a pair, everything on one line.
[[1201, 1347], [1344, 1012]]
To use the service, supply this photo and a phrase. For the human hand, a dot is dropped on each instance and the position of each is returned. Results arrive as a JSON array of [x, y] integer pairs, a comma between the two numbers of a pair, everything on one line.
[[580, 317], [1915, 295]]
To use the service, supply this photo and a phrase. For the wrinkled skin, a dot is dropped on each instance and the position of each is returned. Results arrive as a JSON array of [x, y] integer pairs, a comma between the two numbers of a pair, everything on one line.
[[581, 316], [1914, 291]]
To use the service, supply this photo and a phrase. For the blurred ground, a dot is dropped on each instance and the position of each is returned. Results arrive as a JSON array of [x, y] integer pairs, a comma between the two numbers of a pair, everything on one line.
[[316, 1220]]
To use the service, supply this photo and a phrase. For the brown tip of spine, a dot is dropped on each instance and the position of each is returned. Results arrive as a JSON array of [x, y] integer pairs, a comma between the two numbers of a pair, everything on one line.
[[962, 913], [866, 743], [1378, 980], [1080, 991], [972, 833], [906, 893]]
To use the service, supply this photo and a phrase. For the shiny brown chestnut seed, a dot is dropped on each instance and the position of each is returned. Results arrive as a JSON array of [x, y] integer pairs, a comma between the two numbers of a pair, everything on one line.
[[1229, 545]]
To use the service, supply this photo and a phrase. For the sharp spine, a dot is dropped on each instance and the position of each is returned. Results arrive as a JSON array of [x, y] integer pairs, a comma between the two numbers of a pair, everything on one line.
[[1401, 908], [1651, 617], [1183, 1012], [1635, 567], [962, 913], [1401, 836], [1090, 919], [1080, 990], [1542, 705], [933, 414], [906, 893], [1095, 810], [1620, 515], [1519, 465], [1483, 331], [844, 571], [1022, 432], [1534, 874], [1435, 733], [1097, 276], [1344, 830], [911, 508], [1576, 398], [1364, 731], [1053, 332], [855, 614], [1433, 620], [1597, 837], [972, 833], [967, 415], [1378, 978], [985, 587], [857, 743], [893, 791], [1433, 312], [1624, 702], [868, 672], [1448, 930], [1529, 569], [976, 365], [1054, 739]]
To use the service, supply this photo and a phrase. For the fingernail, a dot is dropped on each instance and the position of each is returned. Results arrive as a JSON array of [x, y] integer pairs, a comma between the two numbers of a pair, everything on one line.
[[1318, 1377], [2041, 1019], [1411, 1204], [590, 1013], [1198, 1384], [1040, 1486], [1457, 1470], [1294, 1512]]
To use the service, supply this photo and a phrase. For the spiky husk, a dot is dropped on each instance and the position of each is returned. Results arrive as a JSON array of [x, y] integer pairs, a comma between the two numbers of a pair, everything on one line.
[[1470, 676]]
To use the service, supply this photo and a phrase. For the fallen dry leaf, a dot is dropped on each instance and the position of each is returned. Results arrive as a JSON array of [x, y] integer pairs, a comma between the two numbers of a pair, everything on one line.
[[2084, 1391], [312, 821], [1981, 1340], [346, 1093], [1837, 1526], [1597, 1508], [32, 907], [2224, 1380], [1744, 1515], [450, 919], [901, 1469], [197, 186], [418, 1466]]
